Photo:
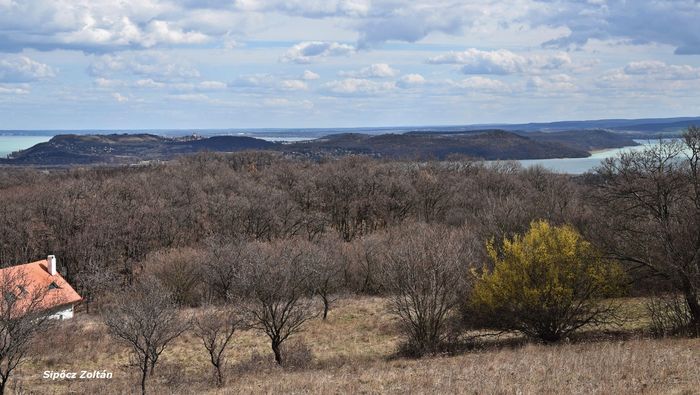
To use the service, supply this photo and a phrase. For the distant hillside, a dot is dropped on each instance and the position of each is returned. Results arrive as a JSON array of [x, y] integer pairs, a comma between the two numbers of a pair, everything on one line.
[[587, 140], [485, 144], [645, 126], [490, 144], [74, 149]]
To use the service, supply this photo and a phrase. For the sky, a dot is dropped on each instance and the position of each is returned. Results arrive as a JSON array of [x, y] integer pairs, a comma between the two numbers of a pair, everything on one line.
[[182, 64]]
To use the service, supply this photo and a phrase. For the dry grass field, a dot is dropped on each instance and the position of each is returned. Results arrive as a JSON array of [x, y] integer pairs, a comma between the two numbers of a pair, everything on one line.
[[354, 352]]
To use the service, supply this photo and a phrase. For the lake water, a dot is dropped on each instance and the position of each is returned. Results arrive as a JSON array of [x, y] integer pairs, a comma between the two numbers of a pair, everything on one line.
[[582, 165], [10, 144]]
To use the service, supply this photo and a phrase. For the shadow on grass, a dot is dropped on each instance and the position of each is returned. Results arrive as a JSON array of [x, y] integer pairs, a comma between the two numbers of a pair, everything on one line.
[[486, 342]]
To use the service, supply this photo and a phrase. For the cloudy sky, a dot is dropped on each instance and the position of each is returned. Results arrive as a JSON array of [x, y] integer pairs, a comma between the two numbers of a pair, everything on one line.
[[138, 64]]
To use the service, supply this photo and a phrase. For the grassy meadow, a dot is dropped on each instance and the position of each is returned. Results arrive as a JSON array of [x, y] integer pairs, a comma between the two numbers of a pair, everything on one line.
[[354, 351]]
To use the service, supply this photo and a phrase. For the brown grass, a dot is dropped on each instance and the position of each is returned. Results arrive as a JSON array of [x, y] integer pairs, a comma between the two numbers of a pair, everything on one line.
[[353, 353]]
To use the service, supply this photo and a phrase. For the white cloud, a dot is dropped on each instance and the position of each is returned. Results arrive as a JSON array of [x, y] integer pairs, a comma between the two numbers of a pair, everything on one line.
[[15, 89], [308, 8], [474, 61], [379, 21], [294, 85], [357, 86], [651, 77], [635, 22], [100, 25], [93, 25], [377, 70], [649, 80], [311, 51], [253, 81], [163, 32], [268, 84], [552, 85], [230, 43], [412, 21], [24, 69], [481, 84], [212, 85], [149, 83], [201, 86], [155, 66], [119, 97], [106, 25], [309, 75], [410, 81], [108, 83], [196, 97], [286, 103], [661, 70]]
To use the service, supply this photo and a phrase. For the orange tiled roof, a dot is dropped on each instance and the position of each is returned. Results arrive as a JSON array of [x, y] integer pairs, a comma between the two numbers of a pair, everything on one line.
[[36, 276]]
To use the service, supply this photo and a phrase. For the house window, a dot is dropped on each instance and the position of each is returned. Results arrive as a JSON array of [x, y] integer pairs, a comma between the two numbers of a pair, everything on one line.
[[53, 285]]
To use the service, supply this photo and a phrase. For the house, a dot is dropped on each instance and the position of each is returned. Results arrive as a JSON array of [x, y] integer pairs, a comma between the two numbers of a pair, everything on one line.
[[58, 298]]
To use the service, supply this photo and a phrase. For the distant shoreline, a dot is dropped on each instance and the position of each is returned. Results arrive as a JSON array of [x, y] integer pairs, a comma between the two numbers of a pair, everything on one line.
[[639, 125]]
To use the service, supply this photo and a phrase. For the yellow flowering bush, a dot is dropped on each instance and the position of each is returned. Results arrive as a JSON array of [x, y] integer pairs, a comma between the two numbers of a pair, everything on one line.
[[546, 284]]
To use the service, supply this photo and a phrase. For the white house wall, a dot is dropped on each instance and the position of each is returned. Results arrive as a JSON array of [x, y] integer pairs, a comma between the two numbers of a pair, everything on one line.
[[62, 314]]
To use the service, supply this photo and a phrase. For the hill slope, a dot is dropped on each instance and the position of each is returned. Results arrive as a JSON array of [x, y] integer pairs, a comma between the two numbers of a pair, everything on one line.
[[587, 140], [74, 149], [490, 144], [484, 144]]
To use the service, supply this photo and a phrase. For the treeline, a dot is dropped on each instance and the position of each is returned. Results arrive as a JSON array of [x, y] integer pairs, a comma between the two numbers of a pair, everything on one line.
[[107, 221]]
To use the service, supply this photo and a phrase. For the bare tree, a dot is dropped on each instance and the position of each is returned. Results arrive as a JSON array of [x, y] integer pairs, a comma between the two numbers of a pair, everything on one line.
[[222, 267], [425, 271], [180, 272], [22, 318], [278, 283], [651, 207], [363, 260], [215, 328], [431, 192], [93, 280], [146, 319], [326, 269]]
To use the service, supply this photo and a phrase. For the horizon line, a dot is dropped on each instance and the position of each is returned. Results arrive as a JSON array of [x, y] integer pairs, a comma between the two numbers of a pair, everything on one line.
[[258, 128]]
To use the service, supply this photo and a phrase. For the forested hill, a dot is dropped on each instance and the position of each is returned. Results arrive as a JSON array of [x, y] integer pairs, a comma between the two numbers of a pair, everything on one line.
[[73, 149], [70, 149], [484, 144], [585, 140]]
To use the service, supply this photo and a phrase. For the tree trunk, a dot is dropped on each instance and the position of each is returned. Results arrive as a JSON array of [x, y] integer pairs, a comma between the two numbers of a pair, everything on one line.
[[277, 351], [694, 308], [3, 382], [219, 376], [144, 374], [325, 306]]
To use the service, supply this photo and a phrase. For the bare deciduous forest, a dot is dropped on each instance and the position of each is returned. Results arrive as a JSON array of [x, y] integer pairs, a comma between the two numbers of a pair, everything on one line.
[[273, 271]]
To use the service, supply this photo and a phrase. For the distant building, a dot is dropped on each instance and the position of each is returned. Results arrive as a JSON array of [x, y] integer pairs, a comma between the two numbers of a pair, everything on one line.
[[59, 298]]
